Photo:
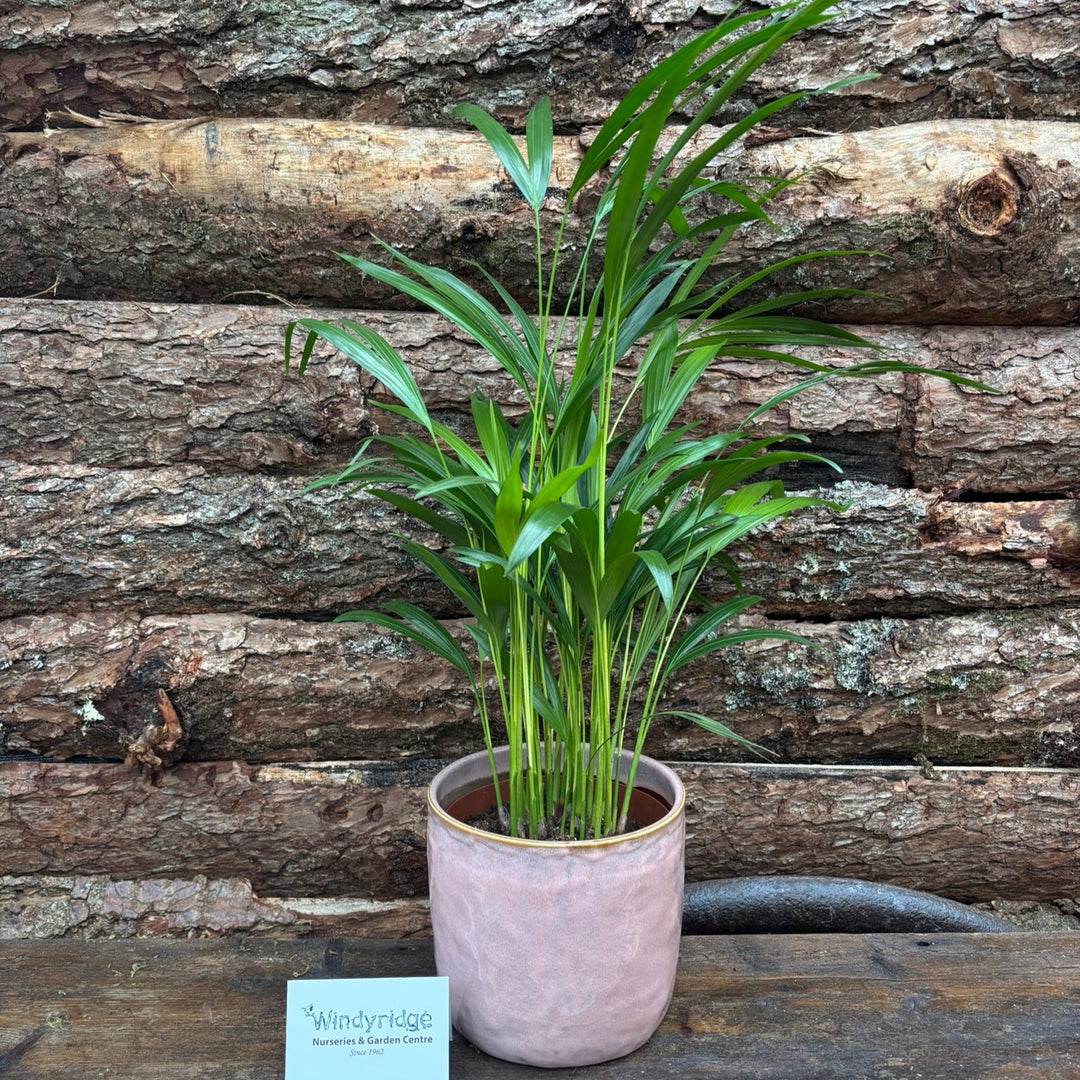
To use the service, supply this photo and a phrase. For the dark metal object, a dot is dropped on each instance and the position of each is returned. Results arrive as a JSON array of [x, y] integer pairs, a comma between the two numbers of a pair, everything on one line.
[[801, 905]]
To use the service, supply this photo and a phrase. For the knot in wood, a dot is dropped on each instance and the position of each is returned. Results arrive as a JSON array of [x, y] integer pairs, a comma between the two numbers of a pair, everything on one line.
[[335, 813], [987, 202]]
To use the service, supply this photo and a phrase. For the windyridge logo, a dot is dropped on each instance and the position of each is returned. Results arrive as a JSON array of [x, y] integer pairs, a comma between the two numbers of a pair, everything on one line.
[[392, 1028]]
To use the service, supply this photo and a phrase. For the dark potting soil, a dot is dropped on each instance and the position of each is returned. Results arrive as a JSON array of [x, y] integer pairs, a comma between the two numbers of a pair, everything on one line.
[[551, 829]]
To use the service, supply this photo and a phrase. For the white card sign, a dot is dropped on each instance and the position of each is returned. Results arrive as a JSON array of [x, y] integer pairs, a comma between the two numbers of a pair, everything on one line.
[[378, 1029]]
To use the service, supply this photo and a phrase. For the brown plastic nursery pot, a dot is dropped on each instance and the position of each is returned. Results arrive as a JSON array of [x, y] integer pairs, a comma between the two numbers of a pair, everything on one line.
[[558, 953]]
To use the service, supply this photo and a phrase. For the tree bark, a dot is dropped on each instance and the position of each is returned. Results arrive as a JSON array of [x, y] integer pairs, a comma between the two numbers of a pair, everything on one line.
[[937, 832], [341, 829], [410, 63], [42, 906], [177, 540], [909, 553], [154, 455], [126, 385], [986, 688], [996, 443], [975, 219], [48, 906], [131, 385]]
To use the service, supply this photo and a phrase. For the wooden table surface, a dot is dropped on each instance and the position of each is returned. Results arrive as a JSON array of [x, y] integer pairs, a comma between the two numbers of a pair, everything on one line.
[[792, 1007]]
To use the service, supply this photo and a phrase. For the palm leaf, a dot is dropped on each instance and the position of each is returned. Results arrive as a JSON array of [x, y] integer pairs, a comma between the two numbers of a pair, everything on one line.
[[502, 144], [414, 623], [376, 356], [714, 727]]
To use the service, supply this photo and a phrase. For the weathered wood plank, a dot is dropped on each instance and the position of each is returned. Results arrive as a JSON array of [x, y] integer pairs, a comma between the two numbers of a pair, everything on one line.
[[123, 385], [340, 829], [985, 688], [752, 1007], [975, 218], [413, 61], [180, 540]]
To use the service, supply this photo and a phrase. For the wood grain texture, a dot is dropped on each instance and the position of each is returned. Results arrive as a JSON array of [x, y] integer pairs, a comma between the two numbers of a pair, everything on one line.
[[786, 1007], [130, 385], [976, 220], [183, 540], [996, 443], [983, 688], [356, 829], [410, 62]]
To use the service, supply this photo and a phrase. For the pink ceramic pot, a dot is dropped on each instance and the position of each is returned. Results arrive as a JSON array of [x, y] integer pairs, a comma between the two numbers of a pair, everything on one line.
[[558, 954]]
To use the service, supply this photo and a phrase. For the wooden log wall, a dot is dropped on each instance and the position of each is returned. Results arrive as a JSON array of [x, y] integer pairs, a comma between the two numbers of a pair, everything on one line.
[[189, 746]]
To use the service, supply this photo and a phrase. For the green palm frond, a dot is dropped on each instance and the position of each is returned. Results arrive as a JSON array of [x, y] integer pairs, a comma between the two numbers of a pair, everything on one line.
[[577, 534]]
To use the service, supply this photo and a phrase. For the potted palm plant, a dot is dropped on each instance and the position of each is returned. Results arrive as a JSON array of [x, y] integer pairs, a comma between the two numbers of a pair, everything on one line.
[[576, 537]]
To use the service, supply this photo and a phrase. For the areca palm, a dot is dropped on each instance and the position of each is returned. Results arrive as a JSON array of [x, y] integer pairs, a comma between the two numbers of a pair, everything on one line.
[[576, 537]]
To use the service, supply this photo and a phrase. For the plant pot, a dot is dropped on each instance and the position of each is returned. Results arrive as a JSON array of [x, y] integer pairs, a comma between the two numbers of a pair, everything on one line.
[[558, 953]]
